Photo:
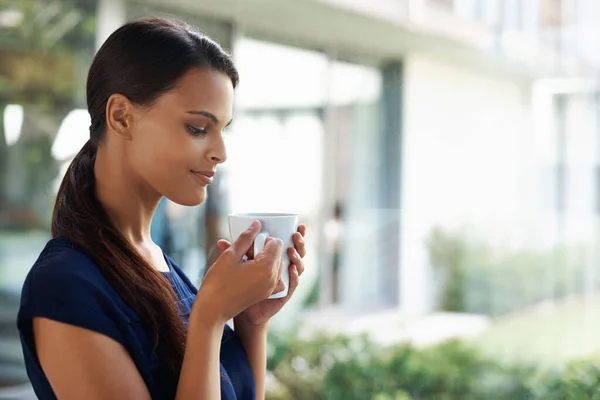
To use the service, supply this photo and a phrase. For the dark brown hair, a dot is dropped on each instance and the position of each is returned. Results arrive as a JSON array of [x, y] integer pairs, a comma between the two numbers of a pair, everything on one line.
[[141, 60]]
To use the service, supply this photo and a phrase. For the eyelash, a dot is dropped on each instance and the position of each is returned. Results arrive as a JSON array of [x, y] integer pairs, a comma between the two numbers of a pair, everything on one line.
[[195, 131]]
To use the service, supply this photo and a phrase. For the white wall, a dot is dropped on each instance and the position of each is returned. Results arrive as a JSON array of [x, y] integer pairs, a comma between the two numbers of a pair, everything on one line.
[[464, 161], [581, 156]]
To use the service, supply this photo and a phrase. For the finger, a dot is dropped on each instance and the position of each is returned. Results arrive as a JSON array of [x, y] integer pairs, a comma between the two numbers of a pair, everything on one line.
[[294, 280], [296, 260], [280, 287], [223, 245], [250, 253], [280, 272], [299, 244], [302, 229], [272, 250], [270, 258], [243, 243]]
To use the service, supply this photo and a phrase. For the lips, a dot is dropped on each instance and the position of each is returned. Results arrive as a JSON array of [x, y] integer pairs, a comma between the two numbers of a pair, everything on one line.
[[205, 177]]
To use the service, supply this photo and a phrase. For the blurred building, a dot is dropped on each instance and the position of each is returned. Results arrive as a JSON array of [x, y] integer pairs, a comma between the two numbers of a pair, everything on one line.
[[376, 121]]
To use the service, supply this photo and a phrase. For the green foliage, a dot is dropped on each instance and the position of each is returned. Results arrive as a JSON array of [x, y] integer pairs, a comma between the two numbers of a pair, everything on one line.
[[523, 278], [477, 280], [44, 47], [579, 380], [48, 25], [447, 254], [332, 368]]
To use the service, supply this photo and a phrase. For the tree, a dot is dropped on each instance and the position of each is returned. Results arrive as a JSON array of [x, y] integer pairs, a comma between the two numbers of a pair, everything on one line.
[[44, 45]]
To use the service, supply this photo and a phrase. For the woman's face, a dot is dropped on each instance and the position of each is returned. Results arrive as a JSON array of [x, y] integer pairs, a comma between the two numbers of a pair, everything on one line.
[[177, 142]]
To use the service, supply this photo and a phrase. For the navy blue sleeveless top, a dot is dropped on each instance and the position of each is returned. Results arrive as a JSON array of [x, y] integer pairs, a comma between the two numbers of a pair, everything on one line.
[[65, 285]]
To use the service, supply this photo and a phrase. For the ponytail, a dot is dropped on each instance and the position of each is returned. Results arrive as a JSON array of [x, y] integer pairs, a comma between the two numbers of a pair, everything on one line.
[[79, 216], [141, 60]]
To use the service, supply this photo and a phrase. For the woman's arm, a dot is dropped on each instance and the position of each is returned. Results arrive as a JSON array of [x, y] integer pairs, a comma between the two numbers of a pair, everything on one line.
[[200, 376], [83, 364], [254, 341]]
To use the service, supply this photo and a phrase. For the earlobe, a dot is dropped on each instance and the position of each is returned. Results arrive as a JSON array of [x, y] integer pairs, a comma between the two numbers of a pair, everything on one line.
[[118, 116]]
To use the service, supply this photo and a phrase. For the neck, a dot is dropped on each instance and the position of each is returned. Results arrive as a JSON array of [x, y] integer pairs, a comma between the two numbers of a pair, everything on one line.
[[129, 202]]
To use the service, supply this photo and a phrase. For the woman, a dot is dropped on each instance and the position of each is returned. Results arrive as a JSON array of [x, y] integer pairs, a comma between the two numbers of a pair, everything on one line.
[[104, 313]]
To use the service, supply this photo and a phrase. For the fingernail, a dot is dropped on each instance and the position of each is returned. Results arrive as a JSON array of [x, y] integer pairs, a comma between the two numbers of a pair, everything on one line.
[[254, 224]]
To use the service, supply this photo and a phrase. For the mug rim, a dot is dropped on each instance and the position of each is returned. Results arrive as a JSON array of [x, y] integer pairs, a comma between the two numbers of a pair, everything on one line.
[[258, 215]]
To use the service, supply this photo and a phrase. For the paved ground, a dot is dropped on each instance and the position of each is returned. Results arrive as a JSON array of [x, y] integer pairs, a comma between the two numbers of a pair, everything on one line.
[[390, 326]]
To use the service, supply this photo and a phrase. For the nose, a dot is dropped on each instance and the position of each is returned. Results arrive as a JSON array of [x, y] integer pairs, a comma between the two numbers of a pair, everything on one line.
[[216, 151]]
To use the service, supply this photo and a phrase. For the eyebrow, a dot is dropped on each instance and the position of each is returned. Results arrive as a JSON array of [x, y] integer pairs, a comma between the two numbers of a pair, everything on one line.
[[209, 116]]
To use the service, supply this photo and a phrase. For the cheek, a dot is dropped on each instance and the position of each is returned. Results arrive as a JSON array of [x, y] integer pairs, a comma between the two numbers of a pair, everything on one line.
[[155, 158], [166, 169]]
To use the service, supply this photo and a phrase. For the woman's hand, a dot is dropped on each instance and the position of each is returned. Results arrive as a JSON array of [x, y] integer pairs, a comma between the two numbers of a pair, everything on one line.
[[260, 313], [231, 286]]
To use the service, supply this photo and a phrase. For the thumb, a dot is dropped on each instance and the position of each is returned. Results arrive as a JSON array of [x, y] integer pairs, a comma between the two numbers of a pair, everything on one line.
[[243, 243]]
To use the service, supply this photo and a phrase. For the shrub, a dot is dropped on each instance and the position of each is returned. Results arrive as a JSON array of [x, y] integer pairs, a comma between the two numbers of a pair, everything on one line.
[[336, 368], [474, 278], [332, 368], [578, 380]]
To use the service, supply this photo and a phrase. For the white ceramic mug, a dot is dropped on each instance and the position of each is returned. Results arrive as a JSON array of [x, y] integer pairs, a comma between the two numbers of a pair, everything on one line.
[[282, 226]]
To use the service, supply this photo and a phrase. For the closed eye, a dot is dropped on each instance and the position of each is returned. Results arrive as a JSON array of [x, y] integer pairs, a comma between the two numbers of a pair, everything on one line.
[[195, 131]]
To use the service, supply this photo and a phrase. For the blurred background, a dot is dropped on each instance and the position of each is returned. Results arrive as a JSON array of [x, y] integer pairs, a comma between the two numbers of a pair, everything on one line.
[[445, 155]]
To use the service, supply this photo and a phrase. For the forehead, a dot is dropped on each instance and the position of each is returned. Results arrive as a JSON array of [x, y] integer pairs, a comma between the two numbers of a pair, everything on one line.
[[201, 89]]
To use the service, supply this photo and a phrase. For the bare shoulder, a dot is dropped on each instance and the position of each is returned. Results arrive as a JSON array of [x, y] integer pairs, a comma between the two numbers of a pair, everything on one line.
[[83, 364]]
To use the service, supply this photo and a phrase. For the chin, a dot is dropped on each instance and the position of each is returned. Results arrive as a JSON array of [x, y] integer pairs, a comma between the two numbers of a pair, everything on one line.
[[189, 199]]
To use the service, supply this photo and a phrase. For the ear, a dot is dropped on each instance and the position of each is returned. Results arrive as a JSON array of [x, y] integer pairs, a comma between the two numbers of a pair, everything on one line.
[[119, 116]]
